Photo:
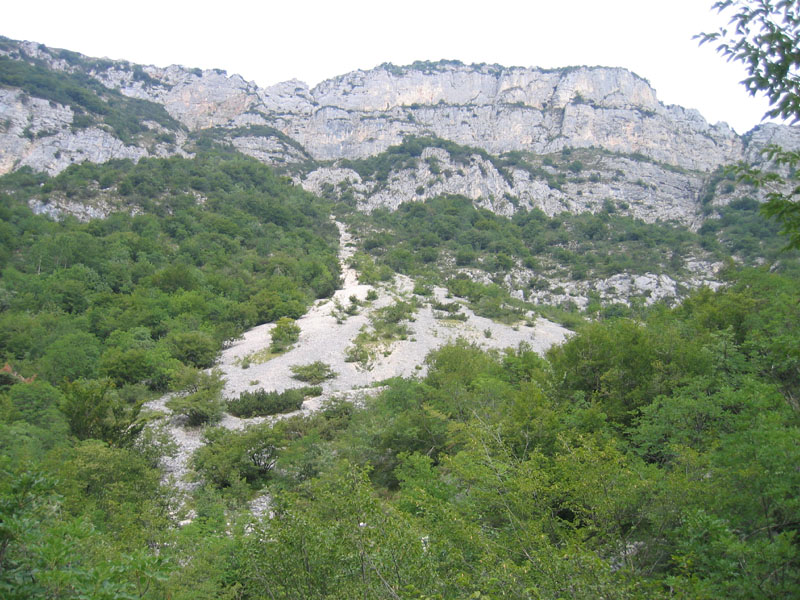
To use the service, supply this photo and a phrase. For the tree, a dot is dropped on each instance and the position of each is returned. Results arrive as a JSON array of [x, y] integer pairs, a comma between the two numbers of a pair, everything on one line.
[[201, 400], [766, 39], [285, 333], [72, 356], [94, 411], [195, 348]]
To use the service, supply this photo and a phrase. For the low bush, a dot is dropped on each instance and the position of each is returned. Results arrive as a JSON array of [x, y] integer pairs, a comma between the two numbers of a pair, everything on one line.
[[313, 373], [201, 400], [260, 403], [285, 333]]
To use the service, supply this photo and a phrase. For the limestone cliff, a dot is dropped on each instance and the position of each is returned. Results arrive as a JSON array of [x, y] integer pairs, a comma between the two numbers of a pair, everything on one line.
[[651, 158]]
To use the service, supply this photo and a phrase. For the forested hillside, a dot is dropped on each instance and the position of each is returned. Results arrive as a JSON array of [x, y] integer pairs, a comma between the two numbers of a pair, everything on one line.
[[287, 343], [652, 455], [650, 458], [196, 252]]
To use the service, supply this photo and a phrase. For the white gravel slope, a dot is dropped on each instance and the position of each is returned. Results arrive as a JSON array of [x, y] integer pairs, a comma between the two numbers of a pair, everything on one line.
[[323, 339]]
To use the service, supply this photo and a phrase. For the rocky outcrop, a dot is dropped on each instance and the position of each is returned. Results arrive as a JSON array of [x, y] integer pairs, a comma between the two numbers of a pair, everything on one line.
[[502, 109], [635, 187], [39, 134], [488, 106], [495, 108], [198, 99], [623, 288], [656, 156]]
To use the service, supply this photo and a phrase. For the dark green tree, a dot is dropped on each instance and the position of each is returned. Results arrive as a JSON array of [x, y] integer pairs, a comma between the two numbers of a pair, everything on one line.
[[94, 411]]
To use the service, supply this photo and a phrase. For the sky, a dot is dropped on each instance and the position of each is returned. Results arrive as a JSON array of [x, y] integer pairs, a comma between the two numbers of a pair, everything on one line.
[[269, 42]]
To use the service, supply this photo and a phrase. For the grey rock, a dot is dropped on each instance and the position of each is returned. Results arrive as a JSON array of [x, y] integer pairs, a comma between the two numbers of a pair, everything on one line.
[[83, 211], [359, 114], [637, 188]]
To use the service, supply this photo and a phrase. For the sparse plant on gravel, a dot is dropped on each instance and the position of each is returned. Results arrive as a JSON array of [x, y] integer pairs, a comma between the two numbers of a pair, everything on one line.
[[261, 403], [358, 352], [313, 373], [285, 333]]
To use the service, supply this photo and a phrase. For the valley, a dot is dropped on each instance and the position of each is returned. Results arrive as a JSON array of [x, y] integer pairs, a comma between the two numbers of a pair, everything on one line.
[[438, 330]]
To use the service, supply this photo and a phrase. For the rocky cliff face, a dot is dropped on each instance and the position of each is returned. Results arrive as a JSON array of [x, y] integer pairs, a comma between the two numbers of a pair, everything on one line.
[[498, 109], [361, 114], [39, 134], [504, 109], [642, 189]]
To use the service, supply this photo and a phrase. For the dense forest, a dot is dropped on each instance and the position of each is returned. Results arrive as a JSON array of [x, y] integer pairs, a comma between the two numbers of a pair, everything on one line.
[[653, 454], [646, 457]]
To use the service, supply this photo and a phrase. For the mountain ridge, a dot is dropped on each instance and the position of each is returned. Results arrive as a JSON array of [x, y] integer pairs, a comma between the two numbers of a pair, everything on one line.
[[201, 99], [311, 133]]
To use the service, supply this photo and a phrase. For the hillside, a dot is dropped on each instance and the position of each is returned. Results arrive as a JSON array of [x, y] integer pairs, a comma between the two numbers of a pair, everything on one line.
[[430, 331], [526, 112], [511, 140]]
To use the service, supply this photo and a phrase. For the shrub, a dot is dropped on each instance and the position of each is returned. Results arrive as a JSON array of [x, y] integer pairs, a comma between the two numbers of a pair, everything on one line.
[[422, 289], [262, 403], [314, 373], [357, 353], [228, 457], [201, 401], [285, 333], [451, 307], [194, 348]]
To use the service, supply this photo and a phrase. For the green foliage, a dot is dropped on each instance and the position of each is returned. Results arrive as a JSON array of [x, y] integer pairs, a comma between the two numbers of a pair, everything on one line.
[[201, 399], [313, 373], [645, 458], [193, 348], [764, 40], [94, 411], [639, 457], [585, 245], [408, 154], [487, 300], [377, 549], [230, 456], [284, 334], [135, 299], [261, 403], [71, 357], [35, 402], [388, 321]]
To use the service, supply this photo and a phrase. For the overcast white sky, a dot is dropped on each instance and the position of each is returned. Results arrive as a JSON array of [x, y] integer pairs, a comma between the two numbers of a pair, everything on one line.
[[268, 42]]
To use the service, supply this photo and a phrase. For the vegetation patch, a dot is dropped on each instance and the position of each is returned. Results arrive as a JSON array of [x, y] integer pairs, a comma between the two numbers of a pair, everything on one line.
[[313, 373], [285, 333], [407, 155], [387, 324], [341, 313], [141, 299], [260, 403], [92, 102], [200, 402], [256, 358]]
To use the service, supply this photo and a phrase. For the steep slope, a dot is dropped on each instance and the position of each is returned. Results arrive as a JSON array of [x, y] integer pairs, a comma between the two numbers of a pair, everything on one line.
[[363, 113], [500, 136]]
